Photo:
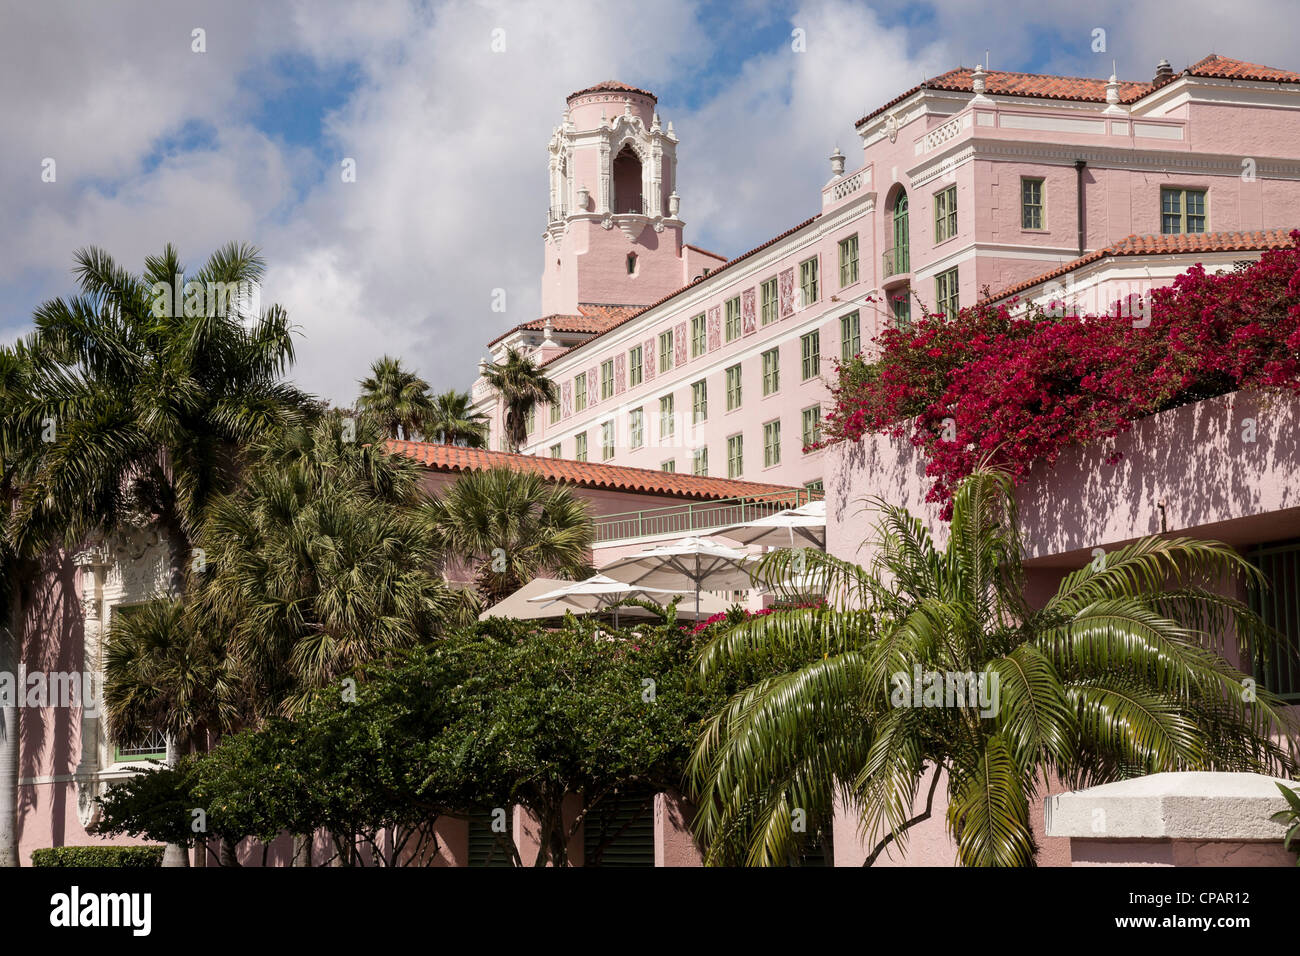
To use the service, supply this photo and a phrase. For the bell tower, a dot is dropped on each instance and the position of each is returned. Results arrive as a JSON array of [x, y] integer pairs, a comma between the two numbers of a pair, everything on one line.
[[613, 235]]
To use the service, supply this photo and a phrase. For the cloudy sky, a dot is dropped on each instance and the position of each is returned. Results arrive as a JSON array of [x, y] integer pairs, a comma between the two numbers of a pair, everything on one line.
[[153, 141]]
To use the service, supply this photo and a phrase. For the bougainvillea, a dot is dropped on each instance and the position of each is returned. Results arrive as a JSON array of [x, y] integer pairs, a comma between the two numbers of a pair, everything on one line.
[[1015, 391]]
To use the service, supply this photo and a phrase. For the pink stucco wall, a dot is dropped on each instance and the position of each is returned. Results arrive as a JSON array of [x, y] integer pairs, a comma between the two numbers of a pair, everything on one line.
[[1195, 460]]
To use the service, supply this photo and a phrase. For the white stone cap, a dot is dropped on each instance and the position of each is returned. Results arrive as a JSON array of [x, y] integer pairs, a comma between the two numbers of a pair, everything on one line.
[[1194, 805]]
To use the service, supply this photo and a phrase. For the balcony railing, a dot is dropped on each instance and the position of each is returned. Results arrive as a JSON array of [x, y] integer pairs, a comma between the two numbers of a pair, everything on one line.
[[896, 261], [636, 207], [698, 516], [556, 214]]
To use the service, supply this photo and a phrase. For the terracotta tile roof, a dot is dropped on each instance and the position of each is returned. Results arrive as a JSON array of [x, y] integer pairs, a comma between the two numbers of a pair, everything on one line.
[[1002, 83], [1229, 69], [594, 318], [585, 474], [694, 282], [1192, 243], [613, 86], [1086, 89]]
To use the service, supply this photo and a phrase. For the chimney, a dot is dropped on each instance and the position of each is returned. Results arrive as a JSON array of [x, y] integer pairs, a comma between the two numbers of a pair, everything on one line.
[[1164, 72]]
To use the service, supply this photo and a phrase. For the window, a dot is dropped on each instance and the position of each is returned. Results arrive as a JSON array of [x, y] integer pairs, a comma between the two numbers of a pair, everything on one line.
[[768, 294], [771, 371], [735, 456], [698, 336], [733, 319], [902, 306], [812, 426], [850, 336], [699, 401], [1182, 210], [606, 379], [530, 420], [636, 428], [669, 465], [1031, 204], [902, 251], [667, 427], [848, 261], [772, 443], [555, 413], [580, 446], [607, 441], [733, 388], [154, 744], [631, 263], [580, 391], [556, 451], [634, 366], [700, 461], [811, 351], [945, 214], [1279, 606], [808, 281], [945, 293], [665, 351]]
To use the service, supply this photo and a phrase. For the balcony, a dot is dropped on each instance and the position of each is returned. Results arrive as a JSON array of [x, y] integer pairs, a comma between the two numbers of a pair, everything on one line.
[[895, 263], [556, 214], [698, 517]]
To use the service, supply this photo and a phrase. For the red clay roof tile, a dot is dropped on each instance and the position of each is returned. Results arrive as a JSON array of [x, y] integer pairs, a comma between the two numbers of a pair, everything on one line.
[[1157, 245], [586, 474], [613, 86]]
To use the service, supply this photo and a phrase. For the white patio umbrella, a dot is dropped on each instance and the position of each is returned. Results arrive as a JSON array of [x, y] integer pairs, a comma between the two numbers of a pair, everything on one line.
[[701, 563], [597, 592], [802, 527]]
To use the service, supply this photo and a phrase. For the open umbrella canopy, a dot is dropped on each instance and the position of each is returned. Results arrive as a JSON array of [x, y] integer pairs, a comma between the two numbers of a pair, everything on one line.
[[599, 591], [699, 563], [802, 527]]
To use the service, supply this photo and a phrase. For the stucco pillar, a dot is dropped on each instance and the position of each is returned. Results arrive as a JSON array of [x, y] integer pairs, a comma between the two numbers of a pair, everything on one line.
[[91, 565]]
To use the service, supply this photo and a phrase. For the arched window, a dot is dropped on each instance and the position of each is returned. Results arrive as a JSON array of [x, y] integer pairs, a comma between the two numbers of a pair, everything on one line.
[[631, 263], [627, 181], [902, 241]]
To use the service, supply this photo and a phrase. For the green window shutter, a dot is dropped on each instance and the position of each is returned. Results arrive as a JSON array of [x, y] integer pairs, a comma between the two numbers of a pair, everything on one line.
[[620, 831], [486, 847]]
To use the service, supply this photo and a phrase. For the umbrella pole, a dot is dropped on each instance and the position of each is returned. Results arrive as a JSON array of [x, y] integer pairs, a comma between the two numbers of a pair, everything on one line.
[[697, 589]]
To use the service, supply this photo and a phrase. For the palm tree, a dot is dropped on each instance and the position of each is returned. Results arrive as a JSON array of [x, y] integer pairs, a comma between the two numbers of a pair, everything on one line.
[[522, 386], [141, 396], [317, 564], [133, 398], [163, 674], [397, 397], [510, 527], [453, 421], [1117, 675]]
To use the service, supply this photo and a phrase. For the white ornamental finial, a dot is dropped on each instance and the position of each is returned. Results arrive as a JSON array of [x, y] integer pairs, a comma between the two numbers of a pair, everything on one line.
[[837, 163], [978, 79]]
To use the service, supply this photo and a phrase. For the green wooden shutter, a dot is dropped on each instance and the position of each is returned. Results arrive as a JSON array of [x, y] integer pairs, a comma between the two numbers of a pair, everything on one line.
[[487, 848], [620, 831]]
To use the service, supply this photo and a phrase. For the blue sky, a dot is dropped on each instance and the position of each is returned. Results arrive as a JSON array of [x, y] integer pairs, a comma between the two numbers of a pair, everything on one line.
[[156, 142]]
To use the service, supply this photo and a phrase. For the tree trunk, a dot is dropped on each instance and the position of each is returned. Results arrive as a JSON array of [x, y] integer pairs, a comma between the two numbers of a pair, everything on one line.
[[228, 856], [302, 849], [9, 655], [175, 854]]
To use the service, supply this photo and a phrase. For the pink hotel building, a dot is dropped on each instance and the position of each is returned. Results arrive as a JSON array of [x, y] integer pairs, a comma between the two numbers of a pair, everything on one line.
[[668, 356], [672, 358]]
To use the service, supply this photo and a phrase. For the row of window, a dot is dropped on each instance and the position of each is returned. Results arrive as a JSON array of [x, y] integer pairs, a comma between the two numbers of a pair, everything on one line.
[[810, 420], [769, 309]]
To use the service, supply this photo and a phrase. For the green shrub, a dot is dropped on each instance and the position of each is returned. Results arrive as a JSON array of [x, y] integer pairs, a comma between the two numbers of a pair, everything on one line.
[[128, 856]]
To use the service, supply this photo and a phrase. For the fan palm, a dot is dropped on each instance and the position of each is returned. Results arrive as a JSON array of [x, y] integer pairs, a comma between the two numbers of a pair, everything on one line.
[[1117, 675], [317, 565], [163, 674], [510, 527], [397, 397], [453, 421], [522, 385]]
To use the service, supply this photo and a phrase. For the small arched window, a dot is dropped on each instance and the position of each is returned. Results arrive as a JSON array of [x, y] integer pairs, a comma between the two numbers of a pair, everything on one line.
[[631, 263]]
